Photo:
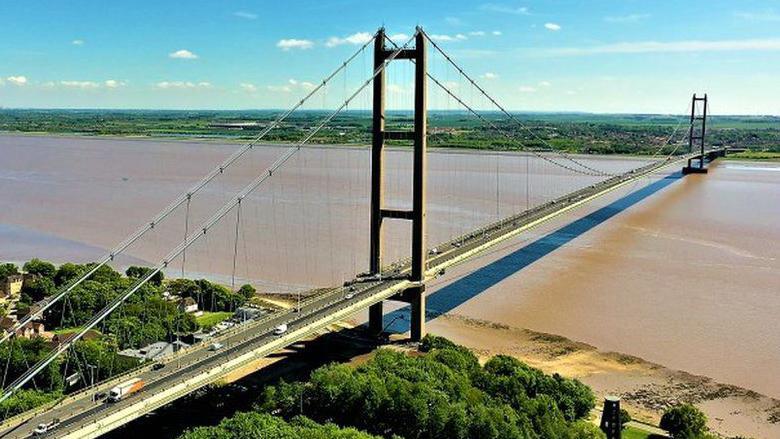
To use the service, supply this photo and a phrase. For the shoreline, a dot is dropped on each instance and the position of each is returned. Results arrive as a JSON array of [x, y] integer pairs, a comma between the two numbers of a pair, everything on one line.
[[645, 388], [227, 141]]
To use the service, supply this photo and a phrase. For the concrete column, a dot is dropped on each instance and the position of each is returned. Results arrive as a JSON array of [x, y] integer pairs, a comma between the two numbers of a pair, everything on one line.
[[375, 323], [417, 303]]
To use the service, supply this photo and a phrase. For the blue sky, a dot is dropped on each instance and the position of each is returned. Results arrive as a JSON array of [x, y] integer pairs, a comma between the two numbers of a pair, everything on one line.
[[601, 56]]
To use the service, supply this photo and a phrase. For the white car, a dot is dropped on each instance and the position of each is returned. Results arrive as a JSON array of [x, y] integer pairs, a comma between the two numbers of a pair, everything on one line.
[[44, 428], [216, 346], [281, 329]]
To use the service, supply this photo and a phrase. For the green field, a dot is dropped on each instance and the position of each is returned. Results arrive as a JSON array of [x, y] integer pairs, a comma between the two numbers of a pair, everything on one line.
[[572, 132], [634, 433], [756, 155], [209, 319]]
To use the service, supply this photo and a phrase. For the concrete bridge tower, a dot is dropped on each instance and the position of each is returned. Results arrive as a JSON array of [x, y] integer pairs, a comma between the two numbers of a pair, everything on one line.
[[415, 296]]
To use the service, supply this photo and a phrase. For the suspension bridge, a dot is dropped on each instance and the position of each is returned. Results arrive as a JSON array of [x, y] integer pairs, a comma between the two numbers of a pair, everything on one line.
[[400, 277]]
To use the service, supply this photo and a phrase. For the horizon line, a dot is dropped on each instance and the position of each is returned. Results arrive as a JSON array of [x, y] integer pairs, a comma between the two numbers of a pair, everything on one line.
[[551, 112]]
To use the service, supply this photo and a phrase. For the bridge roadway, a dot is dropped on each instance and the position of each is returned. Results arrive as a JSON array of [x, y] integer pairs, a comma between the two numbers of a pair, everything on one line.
[[196, 367]]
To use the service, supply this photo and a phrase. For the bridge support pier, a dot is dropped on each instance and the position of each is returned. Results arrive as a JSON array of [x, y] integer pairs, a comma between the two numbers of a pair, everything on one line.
[[416, 214], [417, 303], [375, 323]]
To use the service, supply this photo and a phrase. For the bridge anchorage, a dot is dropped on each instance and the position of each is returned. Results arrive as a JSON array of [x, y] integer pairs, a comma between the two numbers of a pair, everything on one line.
[[414, 295]]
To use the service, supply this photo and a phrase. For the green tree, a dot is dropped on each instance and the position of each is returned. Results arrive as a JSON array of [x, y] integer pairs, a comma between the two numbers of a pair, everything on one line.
[[625, 418], [443, 394], [20, 353], [67, 272], [135, 272], [100, 354], [684, 421], [38, 287], [40, 268], [247, 291], [7, 270], [26, 399], [257, 425]]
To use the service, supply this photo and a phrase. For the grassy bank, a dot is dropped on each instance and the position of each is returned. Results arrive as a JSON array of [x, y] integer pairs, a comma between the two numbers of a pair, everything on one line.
[[210, 319], [755, 155]]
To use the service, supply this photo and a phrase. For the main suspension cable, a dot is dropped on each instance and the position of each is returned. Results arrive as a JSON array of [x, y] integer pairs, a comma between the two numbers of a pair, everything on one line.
[[226, 208], [510, 115], [37, 310]]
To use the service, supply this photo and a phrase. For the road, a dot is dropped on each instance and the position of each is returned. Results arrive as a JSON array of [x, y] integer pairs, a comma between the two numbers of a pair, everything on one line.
[[193, 368]]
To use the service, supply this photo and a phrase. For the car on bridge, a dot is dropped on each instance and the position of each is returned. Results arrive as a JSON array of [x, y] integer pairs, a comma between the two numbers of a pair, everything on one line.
[[281, 329], [46, 427]]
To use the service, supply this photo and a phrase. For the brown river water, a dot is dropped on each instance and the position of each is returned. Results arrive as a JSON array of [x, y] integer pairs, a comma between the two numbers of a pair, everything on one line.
[[679, 271]]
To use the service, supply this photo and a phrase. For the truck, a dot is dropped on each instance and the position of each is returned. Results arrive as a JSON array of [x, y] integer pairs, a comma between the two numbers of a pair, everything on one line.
[[124, 389]]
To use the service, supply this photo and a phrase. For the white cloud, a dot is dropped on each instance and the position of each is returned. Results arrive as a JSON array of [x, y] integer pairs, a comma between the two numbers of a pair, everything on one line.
[[769, 15], [489, 75], [452, 85], [113, 83], [245, 15], [250, 88], [17, 80], [544, 84], [84, 85], [477, 33], [552, 26], [182, 85], [770, 44], [279, 88], [293, 43], [630, 18], [399, 38], [504, 9], [302, 84], [526, 89], [77, 42], [356, 39], [291, 85], [446, 38], [183, 54], [453, 21], [497, 33], [398, 88]]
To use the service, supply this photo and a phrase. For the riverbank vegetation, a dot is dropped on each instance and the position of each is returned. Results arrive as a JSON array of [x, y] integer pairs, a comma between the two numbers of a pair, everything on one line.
[[578, 132], [154, 313], [442, 392], [755, 155]]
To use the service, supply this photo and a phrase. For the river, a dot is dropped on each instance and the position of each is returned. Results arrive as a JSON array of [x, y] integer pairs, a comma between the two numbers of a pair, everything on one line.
[[679, 271]]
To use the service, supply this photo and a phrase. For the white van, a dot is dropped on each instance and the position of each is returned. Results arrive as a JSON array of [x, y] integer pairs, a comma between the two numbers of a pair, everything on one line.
[[281, 329]]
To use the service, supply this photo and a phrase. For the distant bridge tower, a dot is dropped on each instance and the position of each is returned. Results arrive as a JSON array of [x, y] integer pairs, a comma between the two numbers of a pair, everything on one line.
[[696, 132], [415, 295]]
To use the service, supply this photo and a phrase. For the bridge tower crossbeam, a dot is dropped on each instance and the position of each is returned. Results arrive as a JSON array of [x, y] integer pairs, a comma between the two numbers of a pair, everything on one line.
[[415, 296]]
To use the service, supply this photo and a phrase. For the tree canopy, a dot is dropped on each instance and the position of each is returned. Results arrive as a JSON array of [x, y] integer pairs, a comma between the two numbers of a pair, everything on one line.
[[443, 394]]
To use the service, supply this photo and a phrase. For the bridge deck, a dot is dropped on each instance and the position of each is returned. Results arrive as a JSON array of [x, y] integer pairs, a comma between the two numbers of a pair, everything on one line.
[[196, 367]]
